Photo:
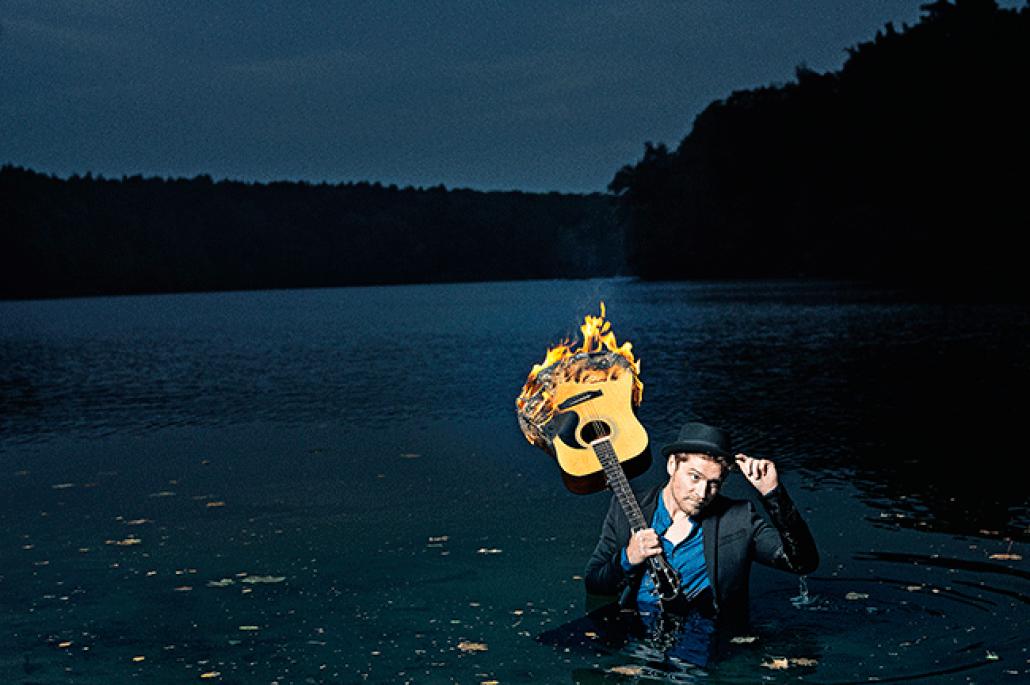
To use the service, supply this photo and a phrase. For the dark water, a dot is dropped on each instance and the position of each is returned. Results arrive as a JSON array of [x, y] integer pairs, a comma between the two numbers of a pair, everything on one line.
[[329, 485]]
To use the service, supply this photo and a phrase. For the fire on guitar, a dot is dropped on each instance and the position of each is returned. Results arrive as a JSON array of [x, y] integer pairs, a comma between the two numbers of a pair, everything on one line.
[[579, 407]]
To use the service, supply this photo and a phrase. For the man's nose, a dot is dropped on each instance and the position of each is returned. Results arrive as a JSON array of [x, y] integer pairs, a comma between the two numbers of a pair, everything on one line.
[[701, 489]]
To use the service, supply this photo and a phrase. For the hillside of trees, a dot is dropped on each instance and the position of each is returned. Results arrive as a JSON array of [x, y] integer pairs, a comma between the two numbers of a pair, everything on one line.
[[86, 235], [907, 165]]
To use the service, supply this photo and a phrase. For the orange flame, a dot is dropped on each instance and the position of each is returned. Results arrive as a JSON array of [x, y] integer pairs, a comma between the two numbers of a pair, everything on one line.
[[534, 402]]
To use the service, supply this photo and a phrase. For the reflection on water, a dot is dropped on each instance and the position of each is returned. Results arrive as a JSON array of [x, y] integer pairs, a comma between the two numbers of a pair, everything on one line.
[[360, 444]]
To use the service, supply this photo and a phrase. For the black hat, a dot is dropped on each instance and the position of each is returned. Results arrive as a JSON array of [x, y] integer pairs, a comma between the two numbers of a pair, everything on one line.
[[700, 438]]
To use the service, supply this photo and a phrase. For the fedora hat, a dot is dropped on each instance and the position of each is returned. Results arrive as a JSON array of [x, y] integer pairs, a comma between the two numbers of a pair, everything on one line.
[[696, 437]]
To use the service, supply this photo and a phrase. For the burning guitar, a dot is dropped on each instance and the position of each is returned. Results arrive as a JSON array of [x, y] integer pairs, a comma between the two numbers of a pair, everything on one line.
[[579, 405]]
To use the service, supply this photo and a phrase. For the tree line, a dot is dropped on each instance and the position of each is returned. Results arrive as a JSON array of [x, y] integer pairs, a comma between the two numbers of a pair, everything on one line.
[[86, 235], [907, 165]]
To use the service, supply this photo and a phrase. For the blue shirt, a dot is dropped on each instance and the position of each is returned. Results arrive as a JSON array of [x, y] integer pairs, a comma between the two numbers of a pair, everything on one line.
[[687, 557]]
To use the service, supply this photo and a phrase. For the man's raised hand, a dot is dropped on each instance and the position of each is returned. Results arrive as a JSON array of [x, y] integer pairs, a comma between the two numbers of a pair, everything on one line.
[[760, 472]]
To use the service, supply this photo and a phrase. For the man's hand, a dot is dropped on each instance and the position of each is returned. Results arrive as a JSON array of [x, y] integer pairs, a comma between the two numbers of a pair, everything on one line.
[[642, 545], [760, 472]]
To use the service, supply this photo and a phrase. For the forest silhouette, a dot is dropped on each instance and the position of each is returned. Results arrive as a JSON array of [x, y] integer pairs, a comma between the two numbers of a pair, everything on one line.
[[88, 236], [905, 166]]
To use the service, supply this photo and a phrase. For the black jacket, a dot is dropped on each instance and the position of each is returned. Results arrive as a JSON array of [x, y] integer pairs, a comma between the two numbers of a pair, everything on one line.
[[734, 536]]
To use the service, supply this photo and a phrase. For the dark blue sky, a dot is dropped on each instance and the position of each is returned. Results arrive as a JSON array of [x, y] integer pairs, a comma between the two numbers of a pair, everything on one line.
[[494, 95]]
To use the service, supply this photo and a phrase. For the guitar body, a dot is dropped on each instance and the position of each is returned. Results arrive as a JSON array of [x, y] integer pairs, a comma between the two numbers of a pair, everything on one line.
[[587, 412]]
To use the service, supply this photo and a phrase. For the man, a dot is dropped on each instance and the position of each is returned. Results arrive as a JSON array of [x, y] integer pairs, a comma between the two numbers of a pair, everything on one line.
[[709, 539]]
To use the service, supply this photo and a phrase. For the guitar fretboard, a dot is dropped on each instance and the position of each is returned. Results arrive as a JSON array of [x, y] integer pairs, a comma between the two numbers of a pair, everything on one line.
[[618, 483]]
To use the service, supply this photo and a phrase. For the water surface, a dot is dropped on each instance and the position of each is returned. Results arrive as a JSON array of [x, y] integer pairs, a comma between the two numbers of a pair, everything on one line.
[[354, 451]]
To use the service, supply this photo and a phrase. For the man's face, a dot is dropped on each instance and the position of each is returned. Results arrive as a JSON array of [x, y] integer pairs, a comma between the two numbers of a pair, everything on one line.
[[694, 479]]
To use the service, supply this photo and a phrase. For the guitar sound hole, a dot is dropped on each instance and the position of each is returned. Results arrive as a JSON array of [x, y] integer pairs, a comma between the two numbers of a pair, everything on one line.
[[595, 430]]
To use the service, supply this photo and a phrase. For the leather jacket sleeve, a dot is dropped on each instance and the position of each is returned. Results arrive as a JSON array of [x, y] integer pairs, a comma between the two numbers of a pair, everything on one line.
[[604, 574], [787, 544]]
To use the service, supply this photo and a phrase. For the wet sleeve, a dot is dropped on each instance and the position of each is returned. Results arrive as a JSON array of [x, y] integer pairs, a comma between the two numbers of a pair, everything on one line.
[[787, 544], [605, 573]]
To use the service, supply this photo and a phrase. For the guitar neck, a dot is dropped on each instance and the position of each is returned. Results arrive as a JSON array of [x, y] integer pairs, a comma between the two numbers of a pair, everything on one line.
[[617, 482]]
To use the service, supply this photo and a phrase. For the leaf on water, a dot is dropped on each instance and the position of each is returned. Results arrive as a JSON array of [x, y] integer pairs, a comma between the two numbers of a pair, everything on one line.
[[249, 628], [210, 674], [777, 663], [743, 639], [438, 538], [62, 486], [219, 503], [1002, 556], [184, 588], [914, 588], [591, 634], [138, 659], [991, 656], [137, 522], [224, 582], [856, 595], [803, 661], [490, 682], [472, 646], [263, 579], [131, 540], [626, 670], [488, 550], [64, 645]]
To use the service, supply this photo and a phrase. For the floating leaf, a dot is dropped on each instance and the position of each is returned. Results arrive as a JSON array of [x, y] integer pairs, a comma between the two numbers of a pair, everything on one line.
[[991, 656], [137, 659], [184, 588], [249, 628], [472, 646], [263, 579], [743, 639], [62, 486], [1004, 556], [777, 663], [856, 595], [210, 674], [803, 661], [626, 670], [490, 550], [215, 504], [131, 540], [64, 645], [224, 582], [439, 538]]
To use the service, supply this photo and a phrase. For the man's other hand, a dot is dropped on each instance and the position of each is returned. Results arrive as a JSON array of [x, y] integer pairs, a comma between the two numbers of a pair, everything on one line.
[[643, 544], [760, 472]]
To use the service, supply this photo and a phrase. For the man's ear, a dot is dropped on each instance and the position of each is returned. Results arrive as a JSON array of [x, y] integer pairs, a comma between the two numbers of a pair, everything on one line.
[[670, 464]]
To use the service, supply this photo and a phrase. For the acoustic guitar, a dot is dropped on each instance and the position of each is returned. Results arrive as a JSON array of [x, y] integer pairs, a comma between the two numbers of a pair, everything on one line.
[[597, 440]]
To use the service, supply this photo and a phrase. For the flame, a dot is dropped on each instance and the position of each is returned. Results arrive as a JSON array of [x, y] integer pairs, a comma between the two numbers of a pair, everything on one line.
[[563, 362]]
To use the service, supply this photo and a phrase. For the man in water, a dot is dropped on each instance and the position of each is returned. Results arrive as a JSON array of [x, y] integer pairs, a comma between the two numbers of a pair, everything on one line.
[[709, 539]]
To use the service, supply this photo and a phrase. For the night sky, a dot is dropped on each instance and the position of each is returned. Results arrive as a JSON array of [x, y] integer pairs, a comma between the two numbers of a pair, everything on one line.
[[488, 95]]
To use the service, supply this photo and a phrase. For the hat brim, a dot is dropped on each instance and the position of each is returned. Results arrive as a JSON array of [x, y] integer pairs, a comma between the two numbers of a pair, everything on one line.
[[696, 447]]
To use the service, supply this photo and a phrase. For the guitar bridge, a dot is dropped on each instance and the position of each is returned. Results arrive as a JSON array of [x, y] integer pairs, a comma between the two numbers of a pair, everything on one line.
[[579, 399]]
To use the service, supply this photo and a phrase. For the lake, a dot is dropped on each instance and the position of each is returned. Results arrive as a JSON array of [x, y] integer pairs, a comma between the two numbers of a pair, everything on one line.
[[330, 486]]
